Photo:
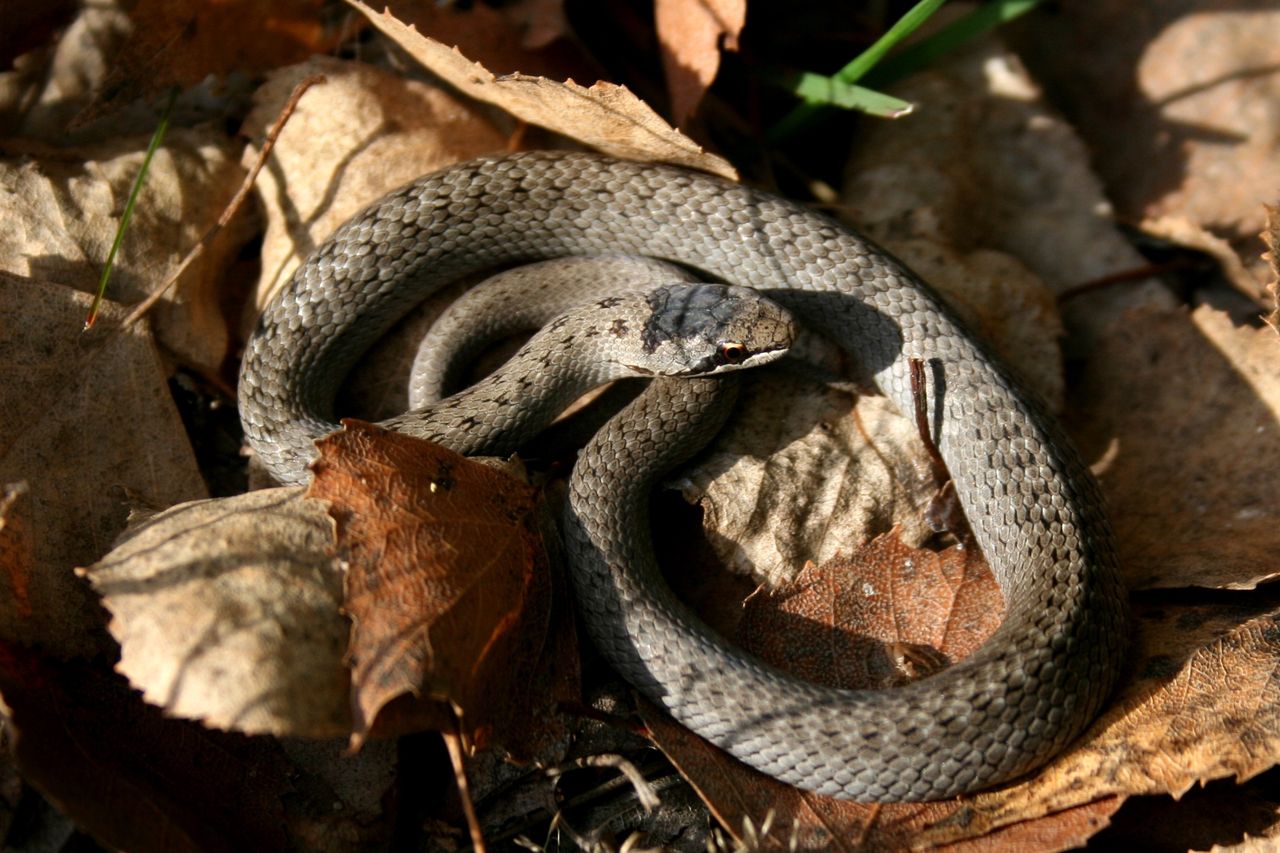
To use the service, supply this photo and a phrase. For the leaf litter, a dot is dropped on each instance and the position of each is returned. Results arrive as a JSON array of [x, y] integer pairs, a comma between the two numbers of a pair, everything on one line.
[[1023, 212]]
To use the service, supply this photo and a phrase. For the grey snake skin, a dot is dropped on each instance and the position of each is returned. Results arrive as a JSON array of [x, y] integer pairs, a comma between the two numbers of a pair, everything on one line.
[[1034, 509]]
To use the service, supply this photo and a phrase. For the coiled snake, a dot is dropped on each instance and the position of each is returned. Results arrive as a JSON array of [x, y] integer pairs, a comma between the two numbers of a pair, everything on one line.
[[1034, 509]]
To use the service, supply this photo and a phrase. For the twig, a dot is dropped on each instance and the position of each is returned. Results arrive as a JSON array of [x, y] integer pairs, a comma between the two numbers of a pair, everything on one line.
[[453, 741]]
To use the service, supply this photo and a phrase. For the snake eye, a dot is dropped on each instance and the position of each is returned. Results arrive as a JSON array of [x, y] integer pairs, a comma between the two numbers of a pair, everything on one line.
[[731, 352]]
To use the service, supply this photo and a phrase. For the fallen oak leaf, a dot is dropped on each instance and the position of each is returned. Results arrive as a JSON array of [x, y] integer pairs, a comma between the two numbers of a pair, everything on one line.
[[859, 621], [691, 36], [1271, 237], [448, 584], [1202, 703], [604, 116], [130, 776], [181, 44], [227, 612]]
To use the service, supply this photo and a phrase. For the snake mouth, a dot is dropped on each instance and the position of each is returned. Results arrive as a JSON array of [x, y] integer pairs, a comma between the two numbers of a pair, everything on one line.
[[715, 364]]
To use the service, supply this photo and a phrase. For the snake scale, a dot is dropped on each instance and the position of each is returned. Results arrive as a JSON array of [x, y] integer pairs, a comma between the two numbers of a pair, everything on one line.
[[1034, 509]]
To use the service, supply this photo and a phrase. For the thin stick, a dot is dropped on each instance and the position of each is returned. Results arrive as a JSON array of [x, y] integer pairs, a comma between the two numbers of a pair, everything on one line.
[[235, 204], [453, 741]]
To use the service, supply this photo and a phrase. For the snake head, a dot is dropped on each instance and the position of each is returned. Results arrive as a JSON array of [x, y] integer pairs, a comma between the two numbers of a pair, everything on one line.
[[705, 329]]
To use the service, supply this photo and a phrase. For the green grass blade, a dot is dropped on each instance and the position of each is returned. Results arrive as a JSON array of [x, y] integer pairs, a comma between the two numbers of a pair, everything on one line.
[[828, 91], [929, 50], [864, 62], [156, 138]]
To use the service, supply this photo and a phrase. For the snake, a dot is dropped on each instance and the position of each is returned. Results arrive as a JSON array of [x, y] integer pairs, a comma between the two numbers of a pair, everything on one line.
[[1032, 505]]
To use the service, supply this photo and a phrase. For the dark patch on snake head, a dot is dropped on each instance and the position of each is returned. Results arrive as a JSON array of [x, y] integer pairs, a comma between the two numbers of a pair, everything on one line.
[[710, 328]]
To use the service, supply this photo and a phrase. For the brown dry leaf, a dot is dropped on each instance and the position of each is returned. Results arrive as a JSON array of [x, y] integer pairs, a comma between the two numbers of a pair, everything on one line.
[[1271, 237], [794, 477], [512, 38], [227, 611], [47, 88], [1203, 703], [884, 616], [448, 587], [64, 206], [30, 25], [691, 35], [179, 43], [351, 140], [990, 168], [15, 548], [1181, 415], [605, 116], [131, 777], [1184, 232], [91, 427], [1176, 103]]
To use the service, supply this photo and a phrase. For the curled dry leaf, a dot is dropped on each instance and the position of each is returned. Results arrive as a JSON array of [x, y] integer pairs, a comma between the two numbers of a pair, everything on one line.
[[448, 587], [180, 44], [795, 476], [1180, 415], [1175, 103], [1203, 704], [48, 88], [1271, 237], [227, 611], [91, 428], [876, 618], [691, 36], [133, 778], [528, 36], [1184, 232], [604, 116], [65, 206], [361, 134]]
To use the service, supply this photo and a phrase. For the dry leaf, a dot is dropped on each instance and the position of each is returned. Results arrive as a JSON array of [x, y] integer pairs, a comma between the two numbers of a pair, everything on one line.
[[1203, 704], [448, 588], [128, 775], [1271, 237], [351, 140], [605, 116], [796, 477], [1185, 232], [1175, 104], [692, 33], [48, 88], [1181, 417], [65, 206], [514, 37], [177, 43], [992, 167], [90, 426], [884, 616], [30, 25], [228, 611]]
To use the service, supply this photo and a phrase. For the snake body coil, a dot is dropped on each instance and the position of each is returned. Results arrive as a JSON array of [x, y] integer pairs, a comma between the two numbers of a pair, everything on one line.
[[1033, 507]]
